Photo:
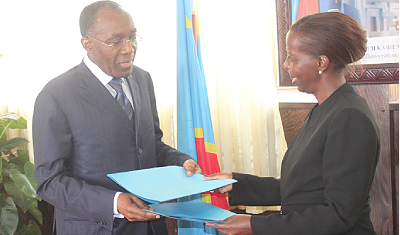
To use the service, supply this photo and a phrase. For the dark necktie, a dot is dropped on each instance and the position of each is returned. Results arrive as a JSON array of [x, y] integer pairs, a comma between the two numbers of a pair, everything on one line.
[[122, 99]]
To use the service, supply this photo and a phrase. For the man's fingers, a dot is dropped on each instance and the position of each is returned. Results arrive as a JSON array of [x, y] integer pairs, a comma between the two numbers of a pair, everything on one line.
[[140, 203], [192, 167], [131, 207], [141, 216], [198, 170], [190, 170]]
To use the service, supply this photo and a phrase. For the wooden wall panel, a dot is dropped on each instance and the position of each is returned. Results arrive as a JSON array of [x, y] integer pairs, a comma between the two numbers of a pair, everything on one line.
[[394, 149], [378, 98], [397, 169], [293, 116]]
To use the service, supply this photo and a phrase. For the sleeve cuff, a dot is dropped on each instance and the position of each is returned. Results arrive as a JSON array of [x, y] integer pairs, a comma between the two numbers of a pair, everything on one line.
[[116, 212]]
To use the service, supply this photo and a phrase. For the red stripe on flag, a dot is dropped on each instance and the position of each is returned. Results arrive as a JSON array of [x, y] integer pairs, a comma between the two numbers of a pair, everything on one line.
[[307, 7], [209, 164], [194, 25], [218, 200], [207, 161]]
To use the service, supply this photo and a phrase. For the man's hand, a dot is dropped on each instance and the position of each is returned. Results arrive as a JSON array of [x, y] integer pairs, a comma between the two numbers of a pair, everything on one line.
[[192, 167], [131, 207], [234, 225], [223, 189]]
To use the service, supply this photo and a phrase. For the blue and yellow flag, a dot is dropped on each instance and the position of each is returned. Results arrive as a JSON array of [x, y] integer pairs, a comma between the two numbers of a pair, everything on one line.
[[195, 132]]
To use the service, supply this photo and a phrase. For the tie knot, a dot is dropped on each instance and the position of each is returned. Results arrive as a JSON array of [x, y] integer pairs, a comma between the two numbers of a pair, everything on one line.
[[116, 84], [122, 99]]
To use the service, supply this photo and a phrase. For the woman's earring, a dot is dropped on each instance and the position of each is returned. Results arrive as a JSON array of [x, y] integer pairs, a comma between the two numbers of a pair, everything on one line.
[[319, 72]]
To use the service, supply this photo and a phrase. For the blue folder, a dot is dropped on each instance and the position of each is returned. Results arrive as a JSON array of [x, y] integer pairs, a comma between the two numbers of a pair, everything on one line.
[[162, 184], [192, 210]]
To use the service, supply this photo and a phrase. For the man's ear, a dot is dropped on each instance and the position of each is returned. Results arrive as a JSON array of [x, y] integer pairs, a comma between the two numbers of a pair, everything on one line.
[[323, 63], [87, 45]]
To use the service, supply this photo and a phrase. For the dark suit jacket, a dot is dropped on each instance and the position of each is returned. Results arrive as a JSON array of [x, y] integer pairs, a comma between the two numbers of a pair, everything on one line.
[[326, 173], [81, 134]]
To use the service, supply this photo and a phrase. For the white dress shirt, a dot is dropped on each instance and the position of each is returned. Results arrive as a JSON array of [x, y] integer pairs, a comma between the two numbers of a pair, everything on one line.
[[105, 79]]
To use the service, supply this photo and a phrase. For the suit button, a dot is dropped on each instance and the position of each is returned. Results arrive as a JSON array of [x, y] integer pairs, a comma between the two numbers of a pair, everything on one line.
[[140, 151]]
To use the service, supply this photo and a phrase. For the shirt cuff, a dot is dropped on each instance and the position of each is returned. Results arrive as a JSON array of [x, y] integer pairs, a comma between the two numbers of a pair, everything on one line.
[[116, 212]]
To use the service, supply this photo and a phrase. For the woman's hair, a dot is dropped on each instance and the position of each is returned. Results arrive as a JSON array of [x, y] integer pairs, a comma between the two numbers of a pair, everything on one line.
[[88, 17], [334, 34]]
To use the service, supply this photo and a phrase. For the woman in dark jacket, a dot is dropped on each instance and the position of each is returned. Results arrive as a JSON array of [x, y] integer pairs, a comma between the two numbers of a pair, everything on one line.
[[328, 169]]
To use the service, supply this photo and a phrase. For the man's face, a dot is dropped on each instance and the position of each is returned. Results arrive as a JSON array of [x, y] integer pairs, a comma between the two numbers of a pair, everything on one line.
[[112, 27]]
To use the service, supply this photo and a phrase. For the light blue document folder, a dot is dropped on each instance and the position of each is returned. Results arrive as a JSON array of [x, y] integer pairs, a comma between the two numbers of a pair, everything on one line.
[[161, 184], [192, 210]]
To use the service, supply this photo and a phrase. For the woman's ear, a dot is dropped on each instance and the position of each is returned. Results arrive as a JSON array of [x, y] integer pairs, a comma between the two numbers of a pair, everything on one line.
[[323, 63]]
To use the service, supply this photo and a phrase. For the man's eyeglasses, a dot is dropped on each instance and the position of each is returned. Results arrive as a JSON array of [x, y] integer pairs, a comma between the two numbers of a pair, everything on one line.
[[119, 44]]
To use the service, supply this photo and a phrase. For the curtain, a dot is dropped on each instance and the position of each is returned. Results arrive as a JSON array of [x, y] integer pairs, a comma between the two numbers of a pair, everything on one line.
[[239, 46]]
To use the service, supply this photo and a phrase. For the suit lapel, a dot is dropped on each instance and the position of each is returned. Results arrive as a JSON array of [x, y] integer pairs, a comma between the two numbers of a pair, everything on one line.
[[95, 92]]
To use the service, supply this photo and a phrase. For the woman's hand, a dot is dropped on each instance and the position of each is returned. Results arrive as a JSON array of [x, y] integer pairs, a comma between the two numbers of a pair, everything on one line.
[[234, 225], [218, 176]]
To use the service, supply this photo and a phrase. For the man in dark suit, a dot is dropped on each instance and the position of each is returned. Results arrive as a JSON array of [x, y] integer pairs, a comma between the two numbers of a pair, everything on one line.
[[81, 133]]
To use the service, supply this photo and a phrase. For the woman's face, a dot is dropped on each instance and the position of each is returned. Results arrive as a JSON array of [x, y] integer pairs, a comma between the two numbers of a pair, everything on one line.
[[302, 67]]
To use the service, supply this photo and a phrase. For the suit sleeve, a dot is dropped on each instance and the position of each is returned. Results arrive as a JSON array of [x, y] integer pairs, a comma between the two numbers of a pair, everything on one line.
[[166, 155], [349, 162], [252, 190], [53, 145]]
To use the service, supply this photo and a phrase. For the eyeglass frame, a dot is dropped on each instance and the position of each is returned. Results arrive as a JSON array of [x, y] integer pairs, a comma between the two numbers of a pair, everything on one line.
[[112, 45]]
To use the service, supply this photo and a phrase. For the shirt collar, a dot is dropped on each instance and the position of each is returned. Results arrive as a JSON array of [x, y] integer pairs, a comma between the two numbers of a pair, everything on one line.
[[103, 77]]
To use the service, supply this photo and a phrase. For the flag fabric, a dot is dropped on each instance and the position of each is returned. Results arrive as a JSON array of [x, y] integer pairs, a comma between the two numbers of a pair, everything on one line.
[[194, 130], [324, 6], [301, 8], [295, 8], [307, 7]]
